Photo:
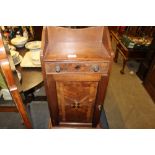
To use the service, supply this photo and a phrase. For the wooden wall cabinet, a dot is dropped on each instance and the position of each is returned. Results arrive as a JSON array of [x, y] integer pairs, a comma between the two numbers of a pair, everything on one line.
[[76, 65]]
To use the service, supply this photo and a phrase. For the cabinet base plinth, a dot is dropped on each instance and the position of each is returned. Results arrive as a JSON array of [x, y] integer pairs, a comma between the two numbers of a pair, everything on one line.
[[69, 125]]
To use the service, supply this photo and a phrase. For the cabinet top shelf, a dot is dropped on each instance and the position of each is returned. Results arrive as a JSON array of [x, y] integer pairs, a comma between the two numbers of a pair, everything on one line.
[[85, 44]]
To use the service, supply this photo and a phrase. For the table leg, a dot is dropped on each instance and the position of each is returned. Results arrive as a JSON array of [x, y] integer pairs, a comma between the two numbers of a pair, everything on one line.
[[116, 55], [29, 96], [124, 63]]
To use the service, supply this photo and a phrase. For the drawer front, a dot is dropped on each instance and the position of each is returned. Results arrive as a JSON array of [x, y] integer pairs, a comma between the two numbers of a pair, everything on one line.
[[78, 67], [76, 101]]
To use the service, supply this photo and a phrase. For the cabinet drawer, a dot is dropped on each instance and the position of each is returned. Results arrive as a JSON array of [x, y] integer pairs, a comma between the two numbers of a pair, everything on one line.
[[78, 67]]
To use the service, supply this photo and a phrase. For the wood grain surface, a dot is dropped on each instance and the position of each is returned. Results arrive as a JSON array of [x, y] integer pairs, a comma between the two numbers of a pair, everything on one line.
[[76, 65]]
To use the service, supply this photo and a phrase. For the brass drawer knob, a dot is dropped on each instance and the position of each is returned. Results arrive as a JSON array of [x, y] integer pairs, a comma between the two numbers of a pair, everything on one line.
[[77, 67], [57, 68], [95, 68]]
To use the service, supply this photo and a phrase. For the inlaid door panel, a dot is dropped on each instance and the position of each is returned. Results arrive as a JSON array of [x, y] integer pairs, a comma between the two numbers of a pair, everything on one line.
[[76, 100]]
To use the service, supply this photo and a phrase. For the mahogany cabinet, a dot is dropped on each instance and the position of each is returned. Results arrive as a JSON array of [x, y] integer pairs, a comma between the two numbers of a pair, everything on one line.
[[76, 65], [149, 81]]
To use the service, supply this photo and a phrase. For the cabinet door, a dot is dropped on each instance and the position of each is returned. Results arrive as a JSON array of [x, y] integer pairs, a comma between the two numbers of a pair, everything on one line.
[[76, 100]]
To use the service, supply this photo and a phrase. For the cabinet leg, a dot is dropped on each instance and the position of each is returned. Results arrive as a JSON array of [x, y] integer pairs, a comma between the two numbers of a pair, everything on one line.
[[124, 63]]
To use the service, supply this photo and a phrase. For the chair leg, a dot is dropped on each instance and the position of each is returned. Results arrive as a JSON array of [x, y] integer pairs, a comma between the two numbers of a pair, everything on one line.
[[21, 109]]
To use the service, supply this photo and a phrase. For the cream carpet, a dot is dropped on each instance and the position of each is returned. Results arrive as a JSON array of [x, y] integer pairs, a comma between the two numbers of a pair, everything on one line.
[[127, 104]]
